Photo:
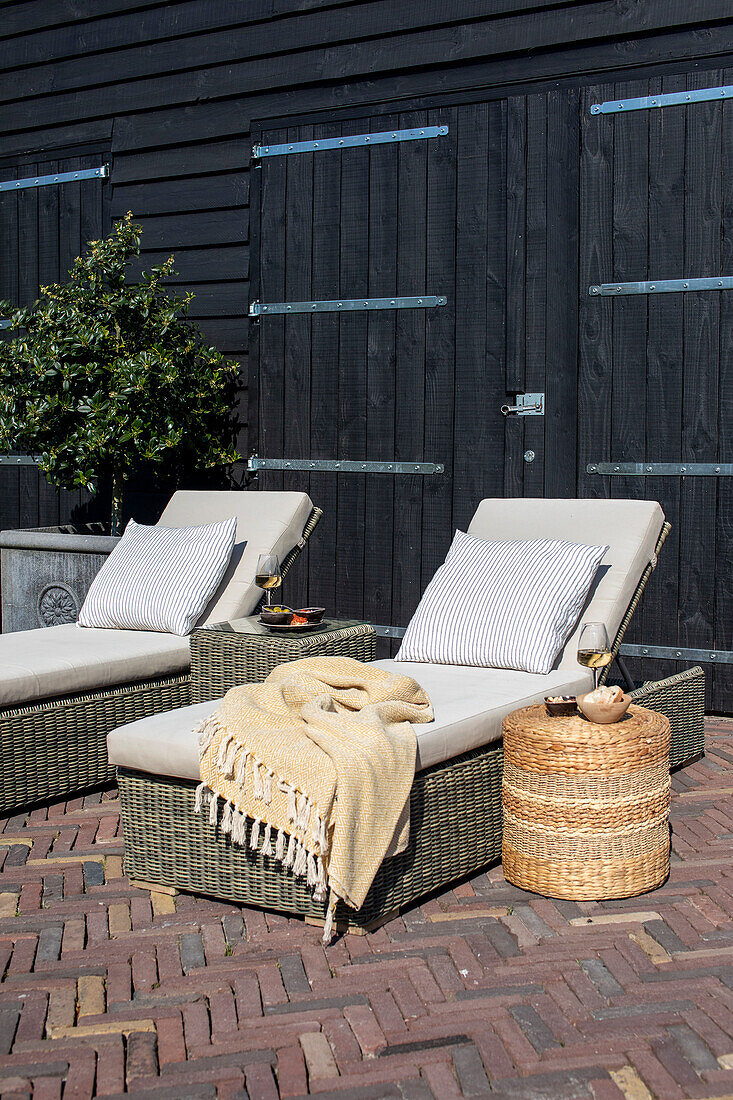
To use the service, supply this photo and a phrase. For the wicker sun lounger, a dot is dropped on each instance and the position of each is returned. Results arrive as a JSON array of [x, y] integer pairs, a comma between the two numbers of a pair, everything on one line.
[[455, 803], [55, 744]]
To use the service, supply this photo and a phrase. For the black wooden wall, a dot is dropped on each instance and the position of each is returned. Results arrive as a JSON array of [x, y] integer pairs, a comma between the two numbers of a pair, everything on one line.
[[656, 377], [525, 203], [42, 230]]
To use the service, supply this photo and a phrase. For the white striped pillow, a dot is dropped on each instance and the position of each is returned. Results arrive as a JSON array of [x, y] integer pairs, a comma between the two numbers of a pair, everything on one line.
[[502, 604], [159, 578]]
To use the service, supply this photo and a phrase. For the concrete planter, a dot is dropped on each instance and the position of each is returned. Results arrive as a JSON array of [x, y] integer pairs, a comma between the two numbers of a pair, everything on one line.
[[45, 573]]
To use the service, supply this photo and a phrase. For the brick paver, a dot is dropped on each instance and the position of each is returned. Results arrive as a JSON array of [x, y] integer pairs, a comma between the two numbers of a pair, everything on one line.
[[110, 990]]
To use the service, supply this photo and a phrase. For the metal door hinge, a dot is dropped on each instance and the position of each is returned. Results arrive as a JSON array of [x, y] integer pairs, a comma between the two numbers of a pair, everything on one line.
[[661, 469], [389, 631], [342, 466], [669, 99], [59, 177], [318, 145], [679, 653], [663, 286], [527, 404], [347, 305]]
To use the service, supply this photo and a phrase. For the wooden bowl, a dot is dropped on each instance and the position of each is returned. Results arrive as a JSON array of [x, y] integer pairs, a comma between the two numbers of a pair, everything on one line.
[[566, 709], [312, 614], [275, 618], [603, 713]]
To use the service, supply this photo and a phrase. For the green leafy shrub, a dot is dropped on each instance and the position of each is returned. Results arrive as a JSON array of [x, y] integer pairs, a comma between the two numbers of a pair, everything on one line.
[[109, 377]]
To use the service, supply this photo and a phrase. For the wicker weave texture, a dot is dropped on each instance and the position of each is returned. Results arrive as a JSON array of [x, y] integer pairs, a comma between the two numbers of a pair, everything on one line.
[[166, 843], [537, 742], [312, 522], [682, 699], [586, 806], [590, 879], [638, 593], [455, 830], [220, 660], [59, 747]]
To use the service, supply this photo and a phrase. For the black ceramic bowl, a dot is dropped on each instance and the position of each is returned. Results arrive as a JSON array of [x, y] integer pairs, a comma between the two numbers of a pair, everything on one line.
[[276, 618], [565, 709], [312, 614]]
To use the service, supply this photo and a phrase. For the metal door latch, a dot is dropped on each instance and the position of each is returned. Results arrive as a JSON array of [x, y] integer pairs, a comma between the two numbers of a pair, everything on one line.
[[527, 404]]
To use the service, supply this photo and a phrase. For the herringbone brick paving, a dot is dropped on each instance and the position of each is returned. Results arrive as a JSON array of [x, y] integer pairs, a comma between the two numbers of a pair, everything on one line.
[[110, 990]]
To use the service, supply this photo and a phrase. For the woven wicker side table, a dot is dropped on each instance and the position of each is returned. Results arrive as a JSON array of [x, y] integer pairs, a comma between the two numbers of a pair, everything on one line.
[[245, 652], [586, 807]]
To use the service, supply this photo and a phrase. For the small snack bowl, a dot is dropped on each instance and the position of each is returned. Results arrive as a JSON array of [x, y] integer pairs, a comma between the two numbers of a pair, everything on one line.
[[312, 614], [560, 706], [604, 711], [278, 615]]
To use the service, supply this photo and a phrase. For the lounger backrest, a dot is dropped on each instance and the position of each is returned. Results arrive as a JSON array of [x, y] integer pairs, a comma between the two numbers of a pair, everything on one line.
[[266, 523], [629, 527]]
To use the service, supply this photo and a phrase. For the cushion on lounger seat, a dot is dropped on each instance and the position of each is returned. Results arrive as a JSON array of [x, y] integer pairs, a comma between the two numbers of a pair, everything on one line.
[[469, 703], [69, 659], [267, 523], [64, 660], [630, 527]]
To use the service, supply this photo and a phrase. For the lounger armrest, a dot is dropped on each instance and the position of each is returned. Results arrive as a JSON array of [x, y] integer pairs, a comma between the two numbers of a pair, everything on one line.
[[682, 699]]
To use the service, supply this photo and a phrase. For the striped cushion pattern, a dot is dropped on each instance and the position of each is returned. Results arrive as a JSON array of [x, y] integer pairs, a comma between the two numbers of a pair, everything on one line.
[[159, 578], [502, 604]]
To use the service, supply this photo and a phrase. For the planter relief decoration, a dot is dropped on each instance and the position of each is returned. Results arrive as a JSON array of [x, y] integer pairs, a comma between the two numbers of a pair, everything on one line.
[[46, 572], [57, 604]]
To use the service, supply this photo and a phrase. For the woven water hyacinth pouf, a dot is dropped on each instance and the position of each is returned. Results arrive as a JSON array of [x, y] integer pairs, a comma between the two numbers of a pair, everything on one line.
[[586, 806]]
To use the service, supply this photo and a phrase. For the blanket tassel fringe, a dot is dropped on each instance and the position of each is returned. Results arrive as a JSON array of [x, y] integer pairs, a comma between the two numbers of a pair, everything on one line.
[[233, 761], [295, 856]]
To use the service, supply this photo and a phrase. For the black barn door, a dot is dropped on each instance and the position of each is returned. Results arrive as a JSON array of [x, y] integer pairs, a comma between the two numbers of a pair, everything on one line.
[[512, 215], [656, 373], [476, 215], [42, 231]]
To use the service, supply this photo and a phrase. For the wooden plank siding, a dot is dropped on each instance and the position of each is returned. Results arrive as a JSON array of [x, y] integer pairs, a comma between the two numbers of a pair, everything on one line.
[[584, 199], [653, 370], [42, 231], [527, 201]]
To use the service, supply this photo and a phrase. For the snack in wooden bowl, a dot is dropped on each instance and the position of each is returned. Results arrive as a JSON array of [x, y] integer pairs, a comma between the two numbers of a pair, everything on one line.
[[560, 706], [604, 705], [311, 614], [277, 615]]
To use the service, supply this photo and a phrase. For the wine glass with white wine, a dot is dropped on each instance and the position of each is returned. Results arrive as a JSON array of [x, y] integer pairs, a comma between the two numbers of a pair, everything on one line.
[[269, 574], [594, 648]]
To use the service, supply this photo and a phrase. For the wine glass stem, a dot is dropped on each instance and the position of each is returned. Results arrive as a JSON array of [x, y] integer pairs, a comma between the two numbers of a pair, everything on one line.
[[268, 596], [595, 678]]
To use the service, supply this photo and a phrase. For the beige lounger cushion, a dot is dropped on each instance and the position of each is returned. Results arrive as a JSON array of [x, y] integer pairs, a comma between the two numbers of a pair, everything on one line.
[[64, 660], [68, 659], [630, 527], [267, 523], [470, 704]]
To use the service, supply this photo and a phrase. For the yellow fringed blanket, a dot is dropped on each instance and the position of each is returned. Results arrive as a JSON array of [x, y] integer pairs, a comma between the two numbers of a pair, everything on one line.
[[321, 758]]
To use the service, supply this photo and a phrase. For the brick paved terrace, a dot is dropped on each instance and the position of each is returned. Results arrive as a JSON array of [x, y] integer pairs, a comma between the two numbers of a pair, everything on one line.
[[485, 990]]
